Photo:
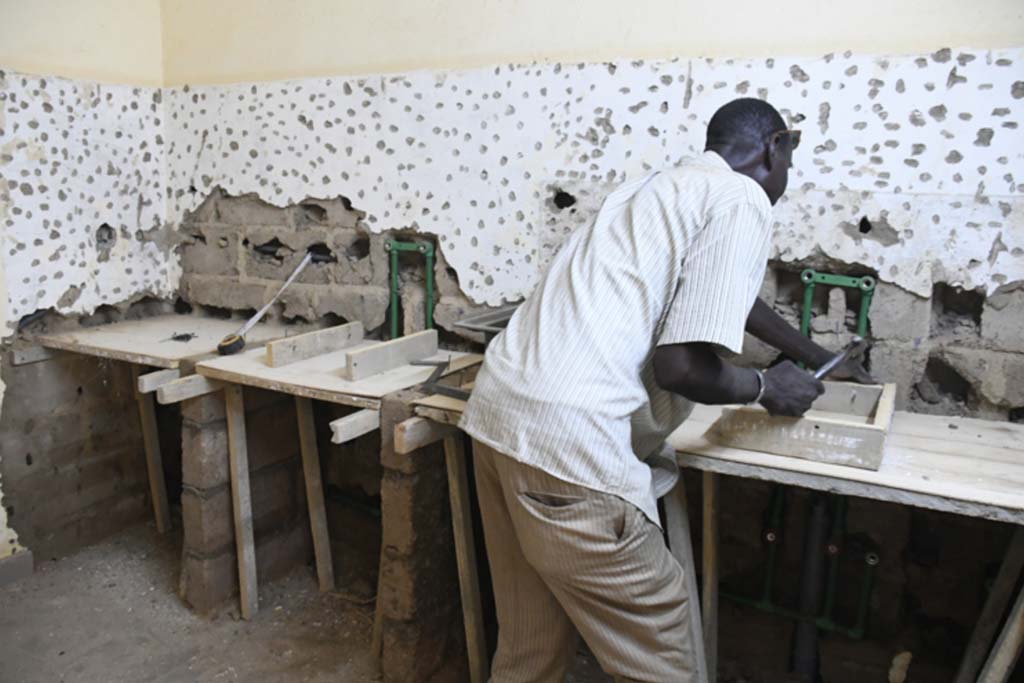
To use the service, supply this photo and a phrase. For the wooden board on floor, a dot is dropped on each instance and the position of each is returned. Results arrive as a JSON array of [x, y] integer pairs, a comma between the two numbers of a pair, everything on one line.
[[961, 465], [322, 377], [151, 341]]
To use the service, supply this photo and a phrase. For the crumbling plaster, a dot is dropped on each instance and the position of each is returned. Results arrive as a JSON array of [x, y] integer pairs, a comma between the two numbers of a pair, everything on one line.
[[928, 148]]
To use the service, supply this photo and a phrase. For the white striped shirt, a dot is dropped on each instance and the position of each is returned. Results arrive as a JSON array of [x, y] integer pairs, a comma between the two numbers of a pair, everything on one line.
[[677, 256]]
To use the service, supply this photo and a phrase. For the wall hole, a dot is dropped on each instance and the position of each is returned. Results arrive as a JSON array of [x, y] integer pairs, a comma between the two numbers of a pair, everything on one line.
[[562, 199], [864, 226], [1016, 414], [274, 249], [942, 388], [359, 249], [106, 236], [322, 253], [956, 312], [314, 213]]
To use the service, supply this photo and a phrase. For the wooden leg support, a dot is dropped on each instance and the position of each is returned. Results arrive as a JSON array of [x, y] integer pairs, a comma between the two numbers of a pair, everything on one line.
[[709, 605], [154, 461], [678, 526], [241, 499], [315, 494], [465, 554], [1011, 641], [992, 612]]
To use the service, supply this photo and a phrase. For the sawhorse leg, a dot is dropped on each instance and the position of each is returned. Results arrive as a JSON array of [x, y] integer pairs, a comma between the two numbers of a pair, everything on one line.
[[1008, 648], [241, 502], [709, 604], [678, 527], [465, 555], [315, 494], [154, 461]]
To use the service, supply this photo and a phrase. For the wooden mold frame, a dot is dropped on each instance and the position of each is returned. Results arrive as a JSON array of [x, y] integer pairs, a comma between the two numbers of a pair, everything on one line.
[[847, 425]]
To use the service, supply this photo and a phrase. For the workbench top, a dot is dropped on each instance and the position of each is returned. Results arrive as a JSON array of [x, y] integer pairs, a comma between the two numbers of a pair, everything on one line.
[[321, 377], [961, 465], [151, 341], [955, 464]]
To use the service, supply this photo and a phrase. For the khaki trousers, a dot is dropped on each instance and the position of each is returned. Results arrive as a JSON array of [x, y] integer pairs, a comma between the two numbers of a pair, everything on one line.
[[567, 559]]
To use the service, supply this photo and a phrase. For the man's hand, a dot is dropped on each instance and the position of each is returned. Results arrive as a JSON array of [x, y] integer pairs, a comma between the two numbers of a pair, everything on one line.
[[789, 390], [852, 370]]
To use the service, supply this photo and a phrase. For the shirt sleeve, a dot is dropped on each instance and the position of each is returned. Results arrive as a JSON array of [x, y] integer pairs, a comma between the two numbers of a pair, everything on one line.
[[721, 275]]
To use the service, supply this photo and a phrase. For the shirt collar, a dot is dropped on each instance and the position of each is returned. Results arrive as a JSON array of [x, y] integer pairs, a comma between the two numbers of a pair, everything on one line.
[[714, 159]]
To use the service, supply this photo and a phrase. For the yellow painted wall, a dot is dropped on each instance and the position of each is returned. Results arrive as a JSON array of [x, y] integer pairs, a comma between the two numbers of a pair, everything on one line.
[[112, 41], [242, 40]]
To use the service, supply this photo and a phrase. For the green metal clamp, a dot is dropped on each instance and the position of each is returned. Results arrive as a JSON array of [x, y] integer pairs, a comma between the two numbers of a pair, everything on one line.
[[394, 247], [811, 277]]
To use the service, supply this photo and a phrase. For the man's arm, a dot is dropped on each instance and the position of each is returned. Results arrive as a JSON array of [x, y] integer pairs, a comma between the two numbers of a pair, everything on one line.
[[771, 328], [694, 370]]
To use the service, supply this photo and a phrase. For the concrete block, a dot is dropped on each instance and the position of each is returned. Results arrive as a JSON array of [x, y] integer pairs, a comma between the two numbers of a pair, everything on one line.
[[396, 408], [207, 514], [1002, 318], [208, 582], [414, 307], [203, 409], [428, 650], [249, 209], [368, 304], [335, 212], [899, 315], [288, 249], [417, 509], [223, 292], [210, 250], [204, 454], [996, 376], [899, 362]]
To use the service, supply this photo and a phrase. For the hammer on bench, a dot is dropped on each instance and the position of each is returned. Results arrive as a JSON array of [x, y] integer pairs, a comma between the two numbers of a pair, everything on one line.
[[233, 343]]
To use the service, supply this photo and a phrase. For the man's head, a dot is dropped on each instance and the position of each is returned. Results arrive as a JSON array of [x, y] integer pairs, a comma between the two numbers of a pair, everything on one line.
[[753, 139]]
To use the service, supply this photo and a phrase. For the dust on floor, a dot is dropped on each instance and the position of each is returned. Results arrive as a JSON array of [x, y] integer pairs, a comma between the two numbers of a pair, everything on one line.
[[111, 613]]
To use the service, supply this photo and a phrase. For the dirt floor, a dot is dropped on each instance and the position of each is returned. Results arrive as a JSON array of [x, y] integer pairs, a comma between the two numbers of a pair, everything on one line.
[[111, 613]]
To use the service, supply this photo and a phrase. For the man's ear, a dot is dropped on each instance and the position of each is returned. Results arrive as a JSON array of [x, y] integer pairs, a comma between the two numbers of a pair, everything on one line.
[[771, 154]]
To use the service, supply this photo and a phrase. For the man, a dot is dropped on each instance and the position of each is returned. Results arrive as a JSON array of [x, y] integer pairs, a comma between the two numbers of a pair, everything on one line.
[[575, 398]]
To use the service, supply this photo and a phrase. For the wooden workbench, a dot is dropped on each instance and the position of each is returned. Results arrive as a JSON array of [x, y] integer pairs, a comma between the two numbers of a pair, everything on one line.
[[164, 341], [960, 465], [318, 377]]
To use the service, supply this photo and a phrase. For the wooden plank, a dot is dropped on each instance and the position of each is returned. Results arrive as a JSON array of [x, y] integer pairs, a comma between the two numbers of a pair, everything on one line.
[[187, 387], [677, 524], [352, 426], [908, 474], [389, 355], [303, 346], [709, 602], [992, 612], [154, 460], [1008, 648], [440, 402], [241, 501], [417, 432], [161, 341], [443, 416], [465, 556], [152, 381], [321, 377], [315, 494], [32, 354]]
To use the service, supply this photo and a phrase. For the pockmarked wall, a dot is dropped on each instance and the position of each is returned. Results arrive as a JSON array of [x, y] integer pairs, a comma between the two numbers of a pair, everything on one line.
[[263, 40]]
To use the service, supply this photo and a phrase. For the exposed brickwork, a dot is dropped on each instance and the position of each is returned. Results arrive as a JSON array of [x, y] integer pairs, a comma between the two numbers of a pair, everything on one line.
[[280, 520]]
